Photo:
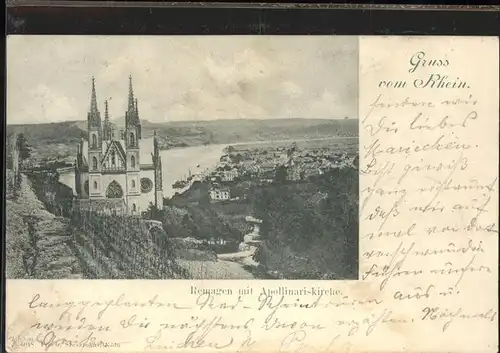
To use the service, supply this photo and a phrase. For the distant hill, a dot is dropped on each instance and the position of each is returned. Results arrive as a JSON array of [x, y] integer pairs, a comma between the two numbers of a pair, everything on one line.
[[60, 132], [183, 134], [228, 131]]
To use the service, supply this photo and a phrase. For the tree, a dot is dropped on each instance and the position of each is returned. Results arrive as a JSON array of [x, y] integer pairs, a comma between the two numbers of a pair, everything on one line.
[[307, 235], [280, 175], [236, 158], [356, 162], [23, 147], [204, 199]]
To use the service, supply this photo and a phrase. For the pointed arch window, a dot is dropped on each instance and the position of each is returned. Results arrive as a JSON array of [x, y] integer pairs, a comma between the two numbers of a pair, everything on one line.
[[134, 208], [132, 162], [94, 163], [94, 141], [113, 158], [133, 184], [95, 185], [114, 190], [132, 139]]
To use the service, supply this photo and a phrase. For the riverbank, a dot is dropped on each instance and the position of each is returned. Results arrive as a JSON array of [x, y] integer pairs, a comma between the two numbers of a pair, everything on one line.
[[59, 140], [321, 206]]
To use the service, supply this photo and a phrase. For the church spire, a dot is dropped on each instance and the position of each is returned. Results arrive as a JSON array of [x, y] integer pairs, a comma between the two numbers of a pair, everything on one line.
[[131, 107], [94, 117], [157, 173], [132, 123], [106, 113], [130, 115], [107, 127], [137, 120], [156, 150], [93, 99]]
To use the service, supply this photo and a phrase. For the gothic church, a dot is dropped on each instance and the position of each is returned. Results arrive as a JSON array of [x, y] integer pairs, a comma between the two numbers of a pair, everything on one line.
[[113, 166]]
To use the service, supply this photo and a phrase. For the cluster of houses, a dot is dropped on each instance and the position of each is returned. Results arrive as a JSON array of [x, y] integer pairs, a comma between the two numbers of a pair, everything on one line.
[[263, 165], [220, 194]]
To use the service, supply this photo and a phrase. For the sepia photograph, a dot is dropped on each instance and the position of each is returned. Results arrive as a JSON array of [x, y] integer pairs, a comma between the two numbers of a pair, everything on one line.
[[182, 157]]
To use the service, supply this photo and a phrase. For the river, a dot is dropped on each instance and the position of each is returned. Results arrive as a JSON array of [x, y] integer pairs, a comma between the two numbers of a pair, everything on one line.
[[176, 163]]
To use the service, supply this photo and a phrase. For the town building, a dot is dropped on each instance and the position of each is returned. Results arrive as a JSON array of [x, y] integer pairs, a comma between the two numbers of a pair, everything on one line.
[[113, 163], [250, 168], [229, 175], [267, 171], [293, 173], [217, 194]]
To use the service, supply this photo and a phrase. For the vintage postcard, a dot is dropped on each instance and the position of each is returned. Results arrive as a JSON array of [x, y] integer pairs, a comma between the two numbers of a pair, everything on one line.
[[252, 194]]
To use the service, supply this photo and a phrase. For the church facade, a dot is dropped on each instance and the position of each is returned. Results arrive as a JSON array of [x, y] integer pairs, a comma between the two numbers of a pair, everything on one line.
[[115, 166]]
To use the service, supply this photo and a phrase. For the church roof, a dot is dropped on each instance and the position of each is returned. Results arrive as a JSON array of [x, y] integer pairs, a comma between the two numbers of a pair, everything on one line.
[[119, 147]]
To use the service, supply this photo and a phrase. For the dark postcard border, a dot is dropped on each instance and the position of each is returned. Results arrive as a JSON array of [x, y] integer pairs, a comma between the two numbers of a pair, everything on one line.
[[196, 21], [208, 20]]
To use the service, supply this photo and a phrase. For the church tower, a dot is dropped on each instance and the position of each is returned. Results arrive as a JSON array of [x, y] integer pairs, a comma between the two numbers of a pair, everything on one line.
[[132, 122], [158, 174], [108, 167], [107, 131], [132, 144], [94, 145]]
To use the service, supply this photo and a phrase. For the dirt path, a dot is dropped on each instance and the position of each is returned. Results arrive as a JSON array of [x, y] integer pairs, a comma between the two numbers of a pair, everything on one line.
[[221, 269], [227, 266], [242, 257]]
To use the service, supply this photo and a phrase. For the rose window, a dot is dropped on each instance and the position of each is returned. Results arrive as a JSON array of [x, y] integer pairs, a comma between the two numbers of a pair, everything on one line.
[[146, 185]]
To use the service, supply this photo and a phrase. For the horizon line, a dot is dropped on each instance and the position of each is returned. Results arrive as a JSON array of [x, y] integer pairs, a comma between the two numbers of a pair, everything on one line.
[[184, 121]]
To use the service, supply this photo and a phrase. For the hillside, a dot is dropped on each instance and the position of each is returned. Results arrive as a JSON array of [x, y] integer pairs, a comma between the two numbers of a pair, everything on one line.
[[229, 131], [60, 132], [42, 244], [37, 242], [58, 140], [310, 230]]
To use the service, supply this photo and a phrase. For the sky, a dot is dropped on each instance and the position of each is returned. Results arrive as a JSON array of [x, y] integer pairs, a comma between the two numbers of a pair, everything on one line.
[[182, 78]]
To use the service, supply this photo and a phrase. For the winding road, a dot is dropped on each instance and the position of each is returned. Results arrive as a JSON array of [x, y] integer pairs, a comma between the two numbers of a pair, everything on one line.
[[242, 257]]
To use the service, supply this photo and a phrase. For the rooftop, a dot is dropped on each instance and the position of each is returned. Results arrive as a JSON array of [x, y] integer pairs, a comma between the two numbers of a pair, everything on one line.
[[145, 146]]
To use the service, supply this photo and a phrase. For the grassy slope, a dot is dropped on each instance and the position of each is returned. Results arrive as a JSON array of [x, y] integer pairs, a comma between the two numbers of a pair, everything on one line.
[[36, 240], [202, 222], [41, 245]]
